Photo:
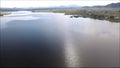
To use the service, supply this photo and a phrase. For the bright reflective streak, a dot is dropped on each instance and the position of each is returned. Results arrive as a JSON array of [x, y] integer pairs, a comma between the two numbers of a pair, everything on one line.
[[71, 57]]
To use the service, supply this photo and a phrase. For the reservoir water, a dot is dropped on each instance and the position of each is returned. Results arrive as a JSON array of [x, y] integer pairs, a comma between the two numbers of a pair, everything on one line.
[[56, 40]]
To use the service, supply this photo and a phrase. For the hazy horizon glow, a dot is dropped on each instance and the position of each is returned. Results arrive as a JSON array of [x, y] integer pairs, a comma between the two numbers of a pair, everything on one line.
[[46, 3]]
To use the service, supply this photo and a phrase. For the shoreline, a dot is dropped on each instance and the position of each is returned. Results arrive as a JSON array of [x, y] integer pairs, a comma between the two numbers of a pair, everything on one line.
[[4, 13], [110, 14]]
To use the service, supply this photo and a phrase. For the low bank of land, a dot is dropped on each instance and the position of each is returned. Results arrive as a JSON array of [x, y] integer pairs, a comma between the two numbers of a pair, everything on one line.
[[4, 13], [111, 14]]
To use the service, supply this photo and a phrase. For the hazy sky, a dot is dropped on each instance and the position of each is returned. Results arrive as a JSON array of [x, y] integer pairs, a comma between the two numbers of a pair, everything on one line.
[[47, 3]]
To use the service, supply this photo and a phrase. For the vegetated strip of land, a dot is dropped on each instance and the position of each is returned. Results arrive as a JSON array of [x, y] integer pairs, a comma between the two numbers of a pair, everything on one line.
[[2, 13], [111, 14]]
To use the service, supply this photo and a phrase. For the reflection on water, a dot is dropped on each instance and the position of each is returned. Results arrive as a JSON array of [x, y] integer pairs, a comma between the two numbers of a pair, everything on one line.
[[71, 56], [54, 39]]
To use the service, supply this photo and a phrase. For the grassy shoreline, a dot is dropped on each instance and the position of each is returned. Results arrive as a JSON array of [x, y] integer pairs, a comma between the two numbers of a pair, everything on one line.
[[111, 14], [4, 13]]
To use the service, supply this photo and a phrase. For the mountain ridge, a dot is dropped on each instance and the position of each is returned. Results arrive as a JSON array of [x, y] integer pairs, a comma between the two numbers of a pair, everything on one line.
[[112, 5]]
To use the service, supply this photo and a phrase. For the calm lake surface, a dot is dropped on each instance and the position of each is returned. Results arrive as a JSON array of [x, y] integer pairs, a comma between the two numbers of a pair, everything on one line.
[[56, 40]]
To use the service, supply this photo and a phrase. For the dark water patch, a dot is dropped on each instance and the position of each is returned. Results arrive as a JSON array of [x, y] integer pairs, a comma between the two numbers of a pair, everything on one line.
[[26, 43]]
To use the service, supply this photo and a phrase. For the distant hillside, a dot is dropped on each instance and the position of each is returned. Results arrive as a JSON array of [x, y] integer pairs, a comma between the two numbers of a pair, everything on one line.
[[113, 5]]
